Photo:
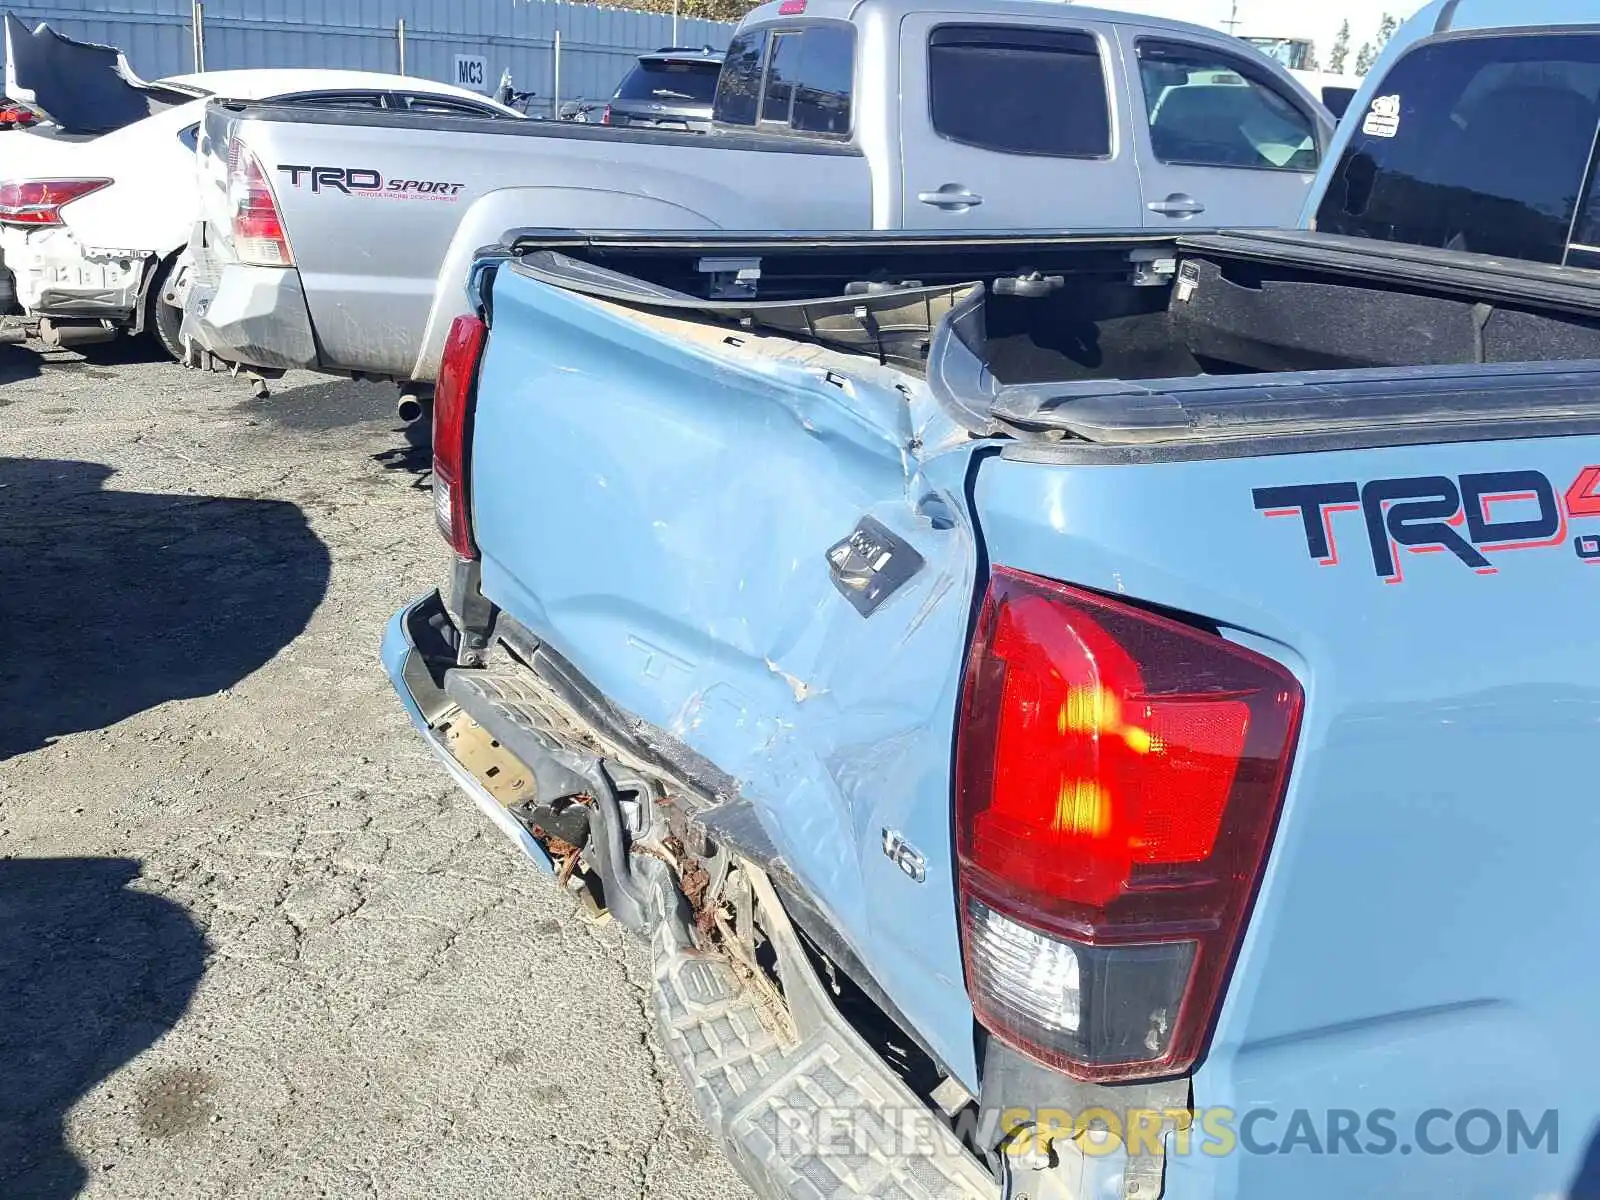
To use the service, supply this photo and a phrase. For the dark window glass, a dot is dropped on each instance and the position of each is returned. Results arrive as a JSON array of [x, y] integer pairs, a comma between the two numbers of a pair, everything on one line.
[[669, 82], [739, 85], [827, 65], [809, 79], [445, 106], [1337, 99], [1206, 109], [783, 72], [1473, 143], [1019, 90]]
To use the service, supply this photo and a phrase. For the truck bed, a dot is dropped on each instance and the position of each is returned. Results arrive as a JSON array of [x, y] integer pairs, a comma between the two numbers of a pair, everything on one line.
[[1047, 335], [766, 518], [369, 302]]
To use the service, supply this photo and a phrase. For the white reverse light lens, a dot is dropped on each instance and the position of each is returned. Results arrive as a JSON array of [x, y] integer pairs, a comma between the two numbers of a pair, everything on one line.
[[1065, 1002], [1036, 977]]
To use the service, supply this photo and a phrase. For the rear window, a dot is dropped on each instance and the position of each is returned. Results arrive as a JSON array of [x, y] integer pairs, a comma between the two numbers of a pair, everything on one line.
[[739, 84], [671, 82], [1479, 144], [808, 79], [1019, 90]]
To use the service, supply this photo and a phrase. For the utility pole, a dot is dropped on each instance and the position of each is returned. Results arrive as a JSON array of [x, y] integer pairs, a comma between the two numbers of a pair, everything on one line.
[[1232, 23]]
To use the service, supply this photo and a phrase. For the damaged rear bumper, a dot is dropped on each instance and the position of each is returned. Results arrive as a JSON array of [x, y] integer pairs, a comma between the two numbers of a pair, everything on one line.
[[415, 684], [55, 275], [254, 316], [803, 1105]]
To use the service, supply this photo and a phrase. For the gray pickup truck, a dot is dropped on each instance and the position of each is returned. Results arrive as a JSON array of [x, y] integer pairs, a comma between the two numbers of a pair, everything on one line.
[[341, 242]]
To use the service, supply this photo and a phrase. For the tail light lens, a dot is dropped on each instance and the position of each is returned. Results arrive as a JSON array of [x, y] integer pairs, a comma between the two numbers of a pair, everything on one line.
[[452, 408], [38, 202], [258, 236], [15, 114], [1119, 777], [605, 115]]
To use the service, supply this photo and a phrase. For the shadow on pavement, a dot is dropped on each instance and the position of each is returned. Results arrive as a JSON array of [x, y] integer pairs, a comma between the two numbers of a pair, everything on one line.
[[114, 602], [17, 363], [91, 974], [333, 404], [414, 456]]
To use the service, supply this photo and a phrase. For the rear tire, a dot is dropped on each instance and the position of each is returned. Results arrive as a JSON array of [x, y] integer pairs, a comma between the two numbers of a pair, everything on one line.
[[164, 321]]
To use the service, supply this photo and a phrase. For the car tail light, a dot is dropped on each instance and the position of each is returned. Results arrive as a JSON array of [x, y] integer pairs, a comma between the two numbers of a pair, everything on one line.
[[15, 114], [452, 410], [259, 239], [36, 202], [605, 115], [1118, 781]]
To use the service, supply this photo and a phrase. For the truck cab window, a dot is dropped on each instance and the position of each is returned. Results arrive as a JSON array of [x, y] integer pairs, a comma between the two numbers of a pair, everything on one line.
[[1211, 110], [739, 85], [809, 79], [1019, 90], [1474, 143]]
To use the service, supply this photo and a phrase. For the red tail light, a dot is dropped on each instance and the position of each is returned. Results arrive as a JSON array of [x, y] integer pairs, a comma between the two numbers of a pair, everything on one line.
[[258, 236], [605, 115], [1119, 777], [15, 114], [39, 201], [452, 409]]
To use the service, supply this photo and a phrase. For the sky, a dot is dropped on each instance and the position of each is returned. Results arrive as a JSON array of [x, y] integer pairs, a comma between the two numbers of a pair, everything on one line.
[[1278, 18]]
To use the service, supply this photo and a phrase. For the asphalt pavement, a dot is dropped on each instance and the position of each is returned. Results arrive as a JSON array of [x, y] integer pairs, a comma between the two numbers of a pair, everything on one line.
[[252, 941]]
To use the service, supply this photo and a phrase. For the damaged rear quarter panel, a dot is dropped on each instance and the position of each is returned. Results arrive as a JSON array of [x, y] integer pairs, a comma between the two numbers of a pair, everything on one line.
[[660, 512]]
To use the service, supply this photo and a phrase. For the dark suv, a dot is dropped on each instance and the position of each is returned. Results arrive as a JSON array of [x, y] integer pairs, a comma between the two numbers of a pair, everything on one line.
[[670, 89]]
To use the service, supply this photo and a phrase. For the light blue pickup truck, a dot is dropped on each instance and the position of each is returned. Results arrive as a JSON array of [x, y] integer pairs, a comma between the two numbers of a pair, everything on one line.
[[1075, 716]]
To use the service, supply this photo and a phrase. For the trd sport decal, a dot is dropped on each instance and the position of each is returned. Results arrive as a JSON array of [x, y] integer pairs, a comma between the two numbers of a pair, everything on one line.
[[1471, 517], [363, 181]]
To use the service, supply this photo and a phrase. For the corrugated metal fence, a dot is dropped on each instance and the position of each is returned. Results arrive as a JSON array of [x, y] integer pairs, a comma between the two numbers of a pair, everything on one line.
[[597, 44]]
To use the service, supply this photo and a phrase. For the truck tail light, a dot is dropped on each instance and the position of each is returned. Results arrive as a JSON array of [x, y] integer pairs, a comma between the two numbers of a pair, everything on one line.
[[37, 202], [259, 239], [605, 115], [452, 411], [1118, 780]]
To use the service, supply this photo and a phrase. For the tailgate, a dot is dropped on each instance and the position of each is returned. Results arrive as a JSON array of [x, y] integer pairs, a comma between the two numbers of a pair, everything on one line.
[[662, 511]]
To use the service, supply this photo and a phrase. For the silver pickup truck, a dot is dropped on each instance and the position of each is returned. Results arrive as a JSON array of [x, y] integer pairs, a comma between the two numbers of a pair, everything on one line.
[[341, 242]]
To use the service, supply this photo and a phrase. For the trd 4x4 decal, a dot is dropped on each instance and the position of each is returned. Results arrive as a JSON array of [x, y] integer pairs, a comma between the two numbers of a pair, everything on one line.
[[1470, 516]]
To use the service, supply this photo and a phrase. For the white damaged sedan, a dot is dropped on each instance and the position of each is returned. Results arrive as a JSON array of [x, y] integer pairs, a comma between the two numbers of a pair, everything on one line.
[[99, 199]]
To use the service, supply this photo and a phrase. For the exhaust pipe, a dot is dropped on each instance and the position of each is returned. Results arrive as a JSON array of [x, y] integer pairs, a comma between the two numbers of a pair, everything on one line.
[[69, 335], [415, 404]]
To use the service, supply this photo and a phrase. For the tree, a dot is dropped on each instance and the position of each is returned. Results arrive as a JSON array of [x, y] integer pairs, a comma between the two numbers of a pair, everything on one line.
[[1386, 28], [1365, 57], [711, 10], [1341, 50], [1312, 63]]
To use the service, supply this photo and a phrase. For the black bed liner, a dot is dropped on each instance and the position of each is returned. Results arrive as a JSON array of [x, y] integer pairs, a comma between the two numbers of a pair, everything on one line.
[[1270, 343]]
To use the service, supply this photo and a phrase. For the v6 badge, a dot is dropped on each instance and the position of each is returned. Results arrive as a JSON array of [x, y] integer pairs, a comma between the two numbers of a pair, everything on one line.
[[871, 565]]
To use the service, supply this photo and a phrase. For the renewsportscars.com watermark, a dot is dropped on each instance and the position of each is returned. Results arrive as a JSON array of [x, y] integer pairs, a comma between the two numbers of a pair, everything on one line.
[[1216, 1132]]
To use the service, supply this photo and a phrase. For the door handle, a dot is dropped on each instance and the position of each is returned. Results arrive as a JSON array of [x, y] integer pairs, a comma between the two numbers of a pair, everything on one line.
[[951, 196], [1177, 205]]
